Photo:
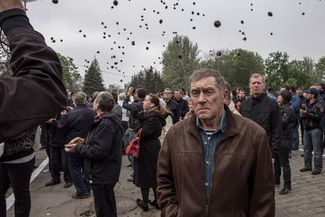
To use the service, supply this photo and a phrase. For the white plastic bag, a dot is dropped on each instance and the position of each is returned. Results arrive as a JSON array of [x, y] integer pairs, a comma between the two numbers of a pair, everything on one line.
[[2, 146]]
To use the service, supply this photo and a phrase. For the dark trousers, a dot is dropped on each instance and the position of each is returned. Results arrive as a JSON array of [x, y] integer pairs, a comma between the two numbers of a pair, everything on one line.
[[277, 167], [283, 162], [313, 142], [104, 199], [81, 185], [18, 177], [295, 136], [58, 159]]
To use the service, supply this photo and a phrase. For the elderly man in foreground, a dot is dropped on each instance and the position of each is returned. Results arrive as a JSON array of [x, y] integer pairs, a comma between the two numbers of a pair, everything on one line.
[[215, 163]]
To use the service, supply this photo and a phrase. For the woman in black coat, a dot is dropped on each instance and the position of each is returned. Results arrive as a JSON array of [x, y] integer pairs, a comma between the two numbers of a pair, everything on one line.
[[145, 169]]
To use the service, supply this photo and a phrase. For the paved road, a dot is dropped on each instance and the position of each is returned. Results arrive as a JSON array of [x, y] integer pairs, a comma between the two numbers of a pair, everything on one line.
[[308, 193], [306, 199]]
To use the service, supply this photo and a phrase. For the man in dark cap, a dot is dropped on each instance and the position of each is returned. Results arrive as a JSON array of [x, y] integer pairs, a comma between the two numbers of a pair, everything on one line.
[[311, 115]]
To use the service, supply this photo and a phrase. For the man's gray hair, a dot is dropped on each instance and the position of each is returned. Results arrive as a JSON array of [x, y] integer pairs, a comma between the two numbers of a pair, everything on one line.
[[204, 73], [80, 98], [105, 101], [228, 87]]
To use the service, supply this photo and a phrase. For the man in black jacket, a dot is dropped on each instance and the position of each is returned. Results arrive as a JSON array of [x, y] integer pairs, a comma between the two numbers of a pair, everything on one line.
[[264, 111], [134, 108], [102, 154], [171, 105], [77, 124], [288, 122], [311, 115], [58, 159], [182, 104]]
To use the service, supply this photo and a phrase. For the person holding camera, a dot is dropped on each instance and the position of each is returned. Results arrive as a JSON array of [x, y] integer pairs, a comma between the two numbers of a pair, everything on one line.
[[311, 114], [134, 108]]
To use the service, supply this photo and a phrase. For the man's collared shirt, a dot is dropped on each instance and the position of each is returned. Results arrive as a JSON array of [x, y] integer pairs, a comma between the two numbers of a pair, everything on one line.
[[210, 139]]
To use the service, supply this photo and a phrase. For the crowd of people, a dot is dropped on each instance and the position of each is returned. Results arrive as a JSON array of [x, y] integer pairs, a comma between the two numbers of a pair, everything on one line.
[[280, 116], [216, 152]]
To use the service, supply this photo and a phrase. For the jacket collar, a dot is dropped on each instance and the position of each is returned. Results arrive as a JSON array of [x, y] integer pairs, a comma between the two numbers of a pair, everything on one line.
[[222, 126], [100, 116], [259, 98], [231, 130]]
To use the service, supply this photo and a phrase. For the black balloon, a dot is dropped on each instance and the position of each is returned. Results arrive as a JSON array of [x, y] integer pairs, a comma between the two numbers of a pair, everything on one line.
[[217, 23], [115, 2], [55, 1], [270, 14]]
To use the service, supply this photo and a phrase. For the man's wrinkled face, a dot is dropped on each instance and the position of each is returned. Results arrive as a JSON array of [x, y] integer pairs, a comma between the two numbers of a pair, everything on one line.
[[207, 99], [256, 86]]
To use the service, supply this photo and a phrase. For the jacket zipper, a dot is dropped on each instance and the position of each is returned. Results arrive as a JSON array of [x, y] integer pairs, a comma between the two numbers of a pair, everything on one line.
[[208, 200], [206, 210]]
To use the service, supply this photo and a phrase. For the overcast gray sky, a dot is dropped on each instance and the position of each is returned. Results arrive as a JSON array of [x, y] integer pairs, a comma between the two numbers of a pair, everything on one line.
[[297, 27]]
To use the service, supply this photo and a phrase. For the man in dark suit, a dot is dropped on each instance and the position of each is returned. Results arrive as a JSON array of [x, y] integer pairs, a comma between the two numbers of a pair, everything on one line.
[[77, 124]]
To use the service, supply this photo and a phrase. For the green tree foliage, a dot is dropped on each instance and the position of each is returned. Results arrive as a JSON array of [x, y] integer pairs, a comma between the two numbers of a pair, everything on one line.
[[71, 78], [236, 65], [180, 59], [299, 73], [150, 79], [320, 69], [93, 79], [277, 69], [298, 76]]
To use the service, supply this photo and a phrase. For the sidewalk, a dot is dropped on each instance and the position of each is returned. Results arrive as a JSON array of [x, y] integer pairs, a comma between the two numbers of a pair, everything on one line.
[[306, 199], [56, 201]]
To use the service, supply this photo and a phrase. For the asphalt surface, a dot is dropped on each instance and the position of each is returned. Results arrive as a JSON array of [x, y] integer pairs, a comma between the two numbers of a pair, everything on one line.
[[306, 199]]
